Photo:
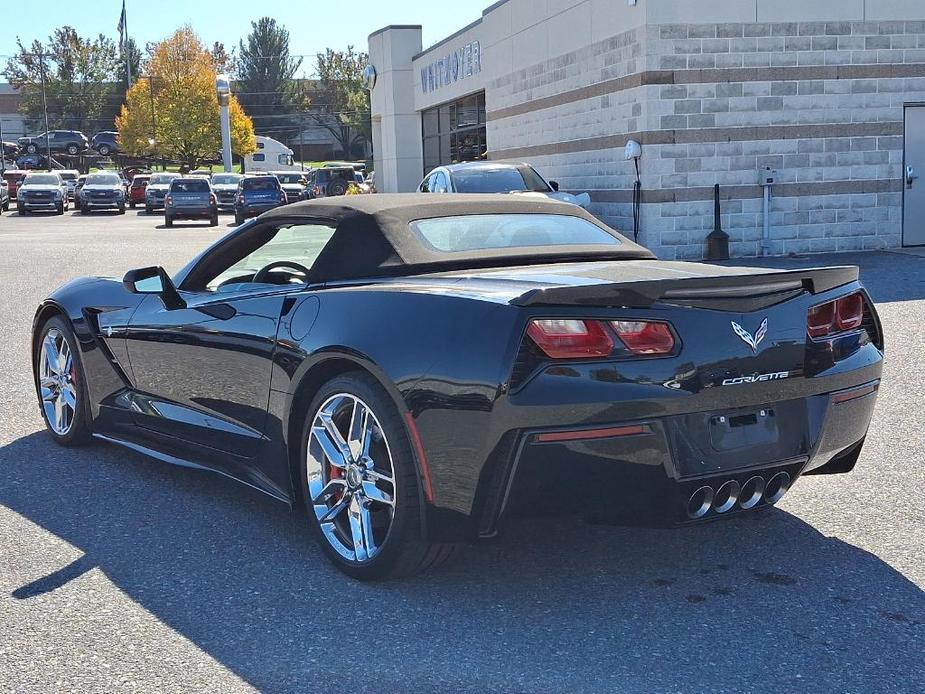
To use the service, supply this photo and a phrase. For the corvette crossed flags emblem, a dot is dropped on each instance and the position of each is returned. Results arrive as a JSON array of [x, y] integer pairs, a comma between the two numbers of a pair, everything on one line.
[[751, 340]]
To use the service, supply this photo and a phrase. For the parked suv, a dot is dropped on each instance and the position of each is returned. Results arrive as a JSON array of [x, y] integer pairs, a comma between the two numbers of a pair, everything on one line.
[[136, 191], [225, 187], [42, 192], [14, 178], [293, 183], [71, 142], [329, 181], [69, 176], [105, 143], [190, 198], [102, 191], [157, 190], [257, 194]]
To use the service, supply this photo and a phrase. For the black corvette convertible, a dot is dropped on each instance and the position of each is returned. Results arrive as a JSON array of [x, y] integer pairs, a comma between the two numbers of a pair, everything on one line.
[[410, 367]]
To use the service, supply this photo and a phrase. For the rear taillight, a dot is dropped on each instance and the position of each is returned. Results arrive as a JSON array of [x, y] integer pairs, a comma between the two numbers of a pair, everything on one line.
[[570, 339], [839, 315], [644, 337]]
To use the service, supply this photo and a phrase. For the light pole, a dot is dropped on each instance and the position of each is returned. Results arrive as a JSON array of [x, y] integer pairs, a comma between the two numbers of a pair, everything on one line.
[[45, 111], [223, 87]]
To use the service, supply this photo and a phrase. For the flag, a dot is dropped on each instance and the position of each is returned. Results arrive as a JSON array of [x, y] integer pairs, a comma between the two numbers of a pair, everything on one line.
[[120, 27]]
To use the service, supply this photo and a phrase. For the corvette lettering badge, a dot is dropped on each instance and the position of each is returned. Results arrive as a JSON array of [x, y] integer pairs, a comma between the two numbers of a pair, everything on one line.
[[748, 338]]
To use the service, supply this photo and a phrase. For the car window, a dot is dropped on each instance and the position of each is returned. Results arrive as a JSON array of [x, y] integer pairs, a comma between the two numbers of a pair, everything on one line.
[[68, 176], [103, 180], [190, 185], [492, 231], [440, 183], [163, 179], [263, 183], [500, 180], [225, 179], [42, 180], [299, 243]]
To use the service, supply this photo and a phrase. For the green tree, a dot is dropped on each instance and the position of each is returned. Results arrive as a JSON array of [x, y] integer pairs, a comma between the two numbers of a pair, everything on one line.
[[77, 73], [344, 110], [175, 104], [265, 78], [133, 53]]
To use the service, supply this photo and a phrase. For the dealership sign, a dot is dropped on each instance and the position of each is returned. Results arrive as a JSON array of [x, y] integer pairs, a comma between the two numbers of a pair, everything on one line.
[[458, 65]]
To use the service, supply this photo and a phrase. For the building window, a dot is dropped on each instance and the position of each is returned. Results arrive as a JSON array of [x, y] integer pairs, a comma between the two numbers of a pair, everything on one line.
[[454, 132]]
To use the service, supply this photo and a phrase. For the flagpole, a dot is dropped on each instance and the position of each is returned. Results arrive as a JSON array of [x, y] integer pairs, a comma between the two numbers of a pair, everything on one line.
[[125, 51]]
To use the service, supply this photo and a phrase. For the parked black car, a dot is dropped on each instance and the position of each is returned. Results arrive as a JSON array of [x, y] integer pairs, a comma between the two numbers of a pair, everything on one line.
[[294, 184], [257, 194], [105, 143], [71, 142], [190, 198], [102, 191], [400, 369]]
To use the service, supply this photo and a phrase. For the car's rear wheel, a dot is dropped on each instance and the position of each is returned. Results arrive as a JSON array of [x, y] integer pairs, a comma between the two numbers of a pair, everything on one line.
[[73, 150], [360, 482], [104, 150], [337, 187], [32, 148], [61, 385]]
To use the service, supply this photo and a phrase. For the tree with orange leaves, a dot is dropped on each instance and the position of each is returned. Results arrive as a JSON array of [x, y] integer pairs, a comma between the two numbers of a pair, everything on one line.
[[175, 105]]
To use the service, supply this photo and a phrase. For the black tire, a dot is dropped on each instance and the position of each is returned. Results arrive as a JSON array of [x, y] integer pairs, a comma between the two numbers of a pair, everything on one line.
[[80, 433], [132, 205], [213, 220], [122, 209], [337, 187], [404, 551], [168, 221], [238, 218], [20, 211], [73, 150], [60, 209], [149, 210], [104, 150], [32, 148]]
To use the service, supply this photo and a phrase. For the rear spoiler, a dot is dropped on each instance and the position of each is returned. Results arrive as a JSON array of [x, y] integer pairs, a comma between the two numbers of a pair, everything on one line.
[[713, 289]]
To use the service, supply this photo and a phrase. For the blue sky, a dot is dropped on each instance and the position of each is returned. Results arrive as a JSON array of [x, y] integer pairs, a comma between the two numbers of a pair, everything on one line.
[[313, 26]]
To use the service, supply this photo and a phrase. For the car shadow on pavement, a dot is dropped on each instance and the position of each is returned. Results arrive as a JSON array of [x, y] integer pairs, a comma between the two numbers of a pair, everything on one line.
[[756, 603]]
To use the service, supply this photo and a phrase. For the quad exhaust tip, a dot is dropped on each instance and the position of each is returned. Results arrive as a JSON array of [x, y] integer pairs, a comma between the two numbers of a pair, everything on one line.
[[776, 488], [700, 502], [731, 494]]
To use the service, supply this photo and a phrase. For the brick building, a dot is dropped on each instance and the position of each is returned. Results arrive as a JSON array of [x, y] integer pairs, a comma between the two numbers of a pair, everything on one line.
[[826, 93]]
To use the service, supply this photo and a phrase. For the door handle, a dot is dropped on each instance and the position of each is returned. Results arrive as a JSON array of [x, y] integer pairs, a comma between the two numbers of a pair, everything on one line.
[[911, 175]]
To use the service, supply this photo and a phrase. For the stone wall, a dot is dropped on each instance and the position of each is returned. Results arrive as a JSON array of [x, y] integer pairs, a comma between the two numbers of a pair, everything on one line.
[[819, 102]]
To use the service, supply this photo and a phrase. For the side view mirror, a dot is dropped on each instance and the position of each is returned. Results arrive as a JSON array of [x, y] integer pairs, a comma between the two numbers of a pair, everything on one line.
[[554, 185], [154, 280]]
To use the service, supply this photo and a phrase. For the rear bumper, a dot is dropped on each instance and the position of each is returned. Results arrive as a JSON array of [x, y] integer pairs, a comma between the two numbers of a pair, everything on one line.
[[190, 212], [253, 210], [585, 439]]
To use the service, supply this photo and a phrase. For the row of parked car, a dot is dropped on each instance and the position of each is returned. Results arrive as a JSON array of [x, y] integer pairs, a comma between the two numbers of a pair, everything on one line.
[[196, 195], [70, 142]]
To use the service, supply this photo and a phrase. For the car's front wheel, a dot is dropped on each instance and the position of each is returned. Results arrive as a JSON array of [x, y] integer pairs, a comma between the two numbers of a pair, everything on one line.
[[60, 384], [360, 482], [32, 148], [73, 150], [168, 220], [104, 150]]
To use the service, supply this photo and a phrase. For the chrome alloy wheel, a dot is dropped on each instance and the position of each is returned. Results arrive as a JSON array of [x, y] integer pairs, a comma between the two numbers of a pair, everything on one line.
[[351, 477], [57, 382]]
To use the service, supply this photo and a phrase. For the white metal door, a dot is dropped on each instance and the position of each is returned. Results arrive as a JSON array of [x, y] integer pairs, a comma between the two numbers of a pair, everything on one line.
[[914, 177]]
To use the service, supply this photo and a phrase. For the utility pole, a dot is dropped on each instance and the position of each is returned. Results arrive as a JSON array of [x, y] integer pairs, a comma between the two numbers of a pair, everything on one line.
[[301, 146], [2, 149], [45, 110]]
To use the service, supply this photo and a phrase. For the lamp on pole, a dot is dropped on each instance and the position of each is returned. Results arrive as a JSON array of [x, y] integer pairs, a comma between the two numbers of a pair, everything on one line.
[[223, 87]]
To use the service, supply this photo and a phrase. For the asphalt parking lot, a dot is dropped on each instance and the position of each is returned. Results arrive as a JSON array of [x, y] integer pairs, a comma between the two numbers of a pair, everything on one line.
[[121, 573]]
